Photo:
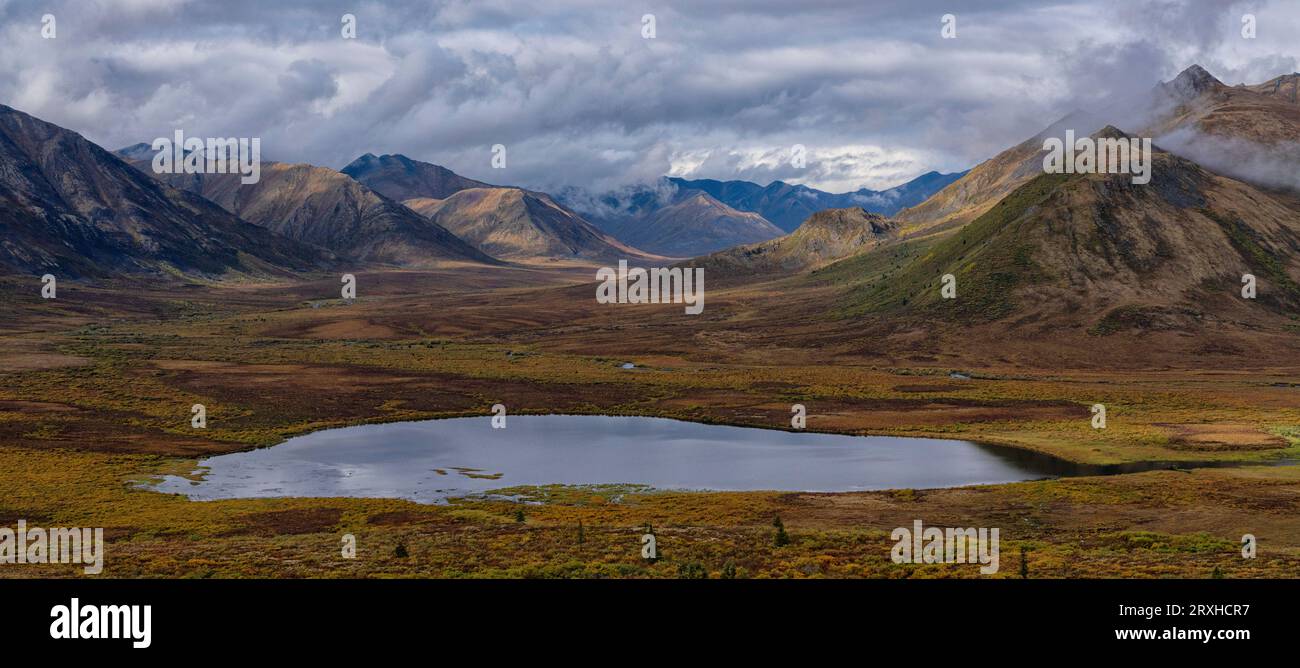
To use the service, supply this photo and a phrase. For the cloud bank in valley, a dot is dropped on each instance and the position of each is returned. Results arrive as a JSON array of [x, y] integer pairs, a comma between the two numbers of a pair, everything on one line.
[[579, 97]]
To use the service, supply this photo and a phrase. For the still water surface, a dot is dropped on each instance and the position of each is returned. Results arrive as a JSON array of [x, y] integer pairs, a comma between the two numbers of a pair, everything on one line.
[[432, 460]]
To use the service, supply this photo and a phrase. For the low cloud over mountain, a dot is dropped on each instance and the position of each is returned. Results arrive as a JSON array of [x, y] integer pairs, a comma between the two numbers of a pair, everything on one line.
[[723, 91]]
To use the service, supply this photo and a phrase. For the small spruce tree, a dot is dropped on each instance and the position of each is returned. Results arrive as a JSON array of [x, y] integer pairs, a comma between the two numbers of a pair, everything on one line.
[[782, 538]]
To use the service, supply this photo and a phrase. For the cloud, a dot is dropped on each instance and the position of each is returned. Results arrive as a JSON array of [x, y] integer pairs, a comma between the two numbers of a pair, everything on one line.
[[1271, 165], [578, 97]]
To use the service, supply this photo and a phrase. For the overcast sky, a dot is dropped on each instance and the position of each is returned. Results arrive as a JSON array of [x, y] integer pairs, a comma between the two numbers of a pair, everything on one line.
[[578, 96]]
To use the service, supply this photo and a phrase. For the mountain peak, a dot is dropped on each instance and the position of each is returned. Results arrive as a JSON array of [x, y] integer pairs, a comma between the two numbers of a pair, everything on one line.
[[1193, 81], [73, 207], [1110, 132], [701, 198], [1081, 121], [400, 178], [521, 225], [135, 151]]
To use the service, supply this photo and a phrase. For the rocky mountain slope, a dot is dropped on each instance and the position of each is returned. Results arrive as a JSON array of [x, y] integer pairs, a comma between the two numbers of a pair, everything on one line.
[[320, 206], [696, 225], [71, 208], [1101, 254], [399, 178], [826, 236], [523, 226]]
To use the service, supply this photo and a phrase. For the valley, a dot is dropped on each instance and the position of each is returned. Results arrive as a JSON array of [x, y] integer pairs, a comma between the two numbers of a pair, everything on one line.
[[1069, 291], [99, 398]]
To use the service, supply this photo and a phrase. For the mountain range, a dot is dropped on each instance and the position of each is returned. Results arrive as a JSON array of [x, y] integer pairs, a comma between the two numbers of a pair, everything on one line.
[[522, 226], [784, 205], [788, 205], [71, 208], [1049, 254], [328, 209], [1028, 250], [386, 210], [1097, 252], [1249, 132], [726, 214]]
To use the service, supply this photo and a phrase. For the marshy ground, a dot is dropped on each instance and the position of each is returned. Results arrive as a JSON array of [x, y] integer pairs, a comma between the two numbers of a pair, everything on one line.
[[96, 389]]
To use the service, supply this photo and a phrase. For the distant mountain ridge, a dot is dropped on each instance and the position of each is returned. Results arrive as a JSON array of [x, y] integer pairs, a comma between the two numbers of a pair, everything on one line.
[[696, 225], [788, 205], [506, 222], [521, 225], [320, 206], [400, 178], [784, 205]]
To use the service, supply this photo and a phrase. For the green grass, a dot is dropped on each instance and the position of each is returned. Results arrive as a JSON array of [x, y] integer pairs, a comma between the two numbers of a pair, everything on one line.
[[988, 257]]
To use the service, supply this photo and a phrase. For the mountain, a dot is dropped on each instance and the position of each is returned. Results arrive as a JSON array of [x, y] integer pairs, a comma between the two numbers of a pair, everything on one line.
[[1098, 253], [510, 223], [425, 206], [1283, 88], [400, 178], [828, 235], [71, 208], [784, 205], [696, 225], [520, 225], [788, 205], [1248, 132], [984, 185], [1266, 114], [323, 207]]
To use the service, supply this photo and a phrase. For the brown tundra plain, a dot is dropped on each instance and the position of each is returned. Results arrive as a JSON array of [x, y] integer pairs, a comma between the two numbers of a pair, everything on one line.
[[96, 389]]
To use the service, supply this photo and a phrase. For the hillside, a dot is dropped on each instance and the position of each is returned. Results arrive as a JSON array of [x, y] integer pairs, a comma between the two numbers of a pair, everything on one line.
[[320, 206], [979, 189], [71, 208], [825, 237], [399, 178], [1247, 132], [1100, 254], [1250, 132], [519, 225], [696, 225]]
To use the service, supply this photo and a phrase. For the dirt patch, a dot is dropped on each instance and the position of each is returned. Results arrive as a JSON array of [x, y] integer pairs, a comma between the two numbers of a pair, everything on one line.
[[1221, 437], [404, 517], [28, 355], [352, 328]]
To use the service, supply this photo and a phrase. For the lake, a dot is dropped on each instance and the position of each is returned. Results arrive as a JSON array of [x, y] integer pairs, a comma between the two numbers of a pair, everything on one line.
[[432, 460]]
